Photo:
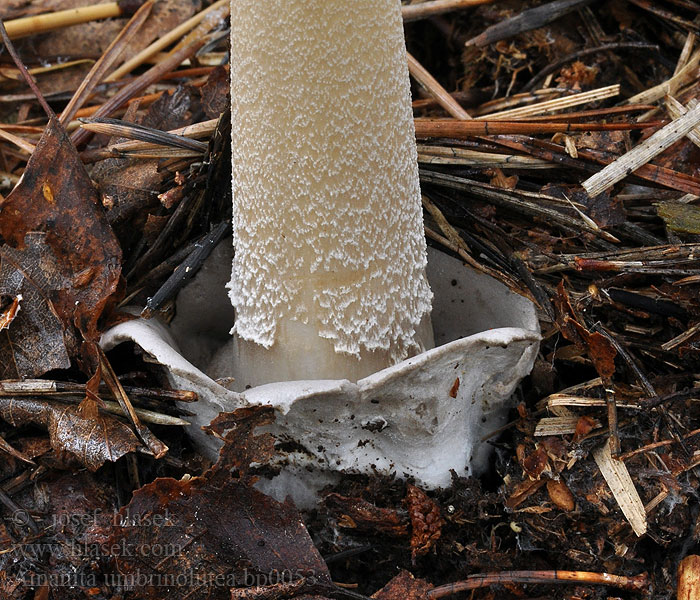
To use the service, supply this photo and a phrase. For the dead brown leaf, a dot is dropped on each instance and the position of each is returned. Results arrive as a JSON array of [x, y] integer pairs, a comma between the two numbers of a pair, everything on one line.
[[32, 342], [364, 516], [92, 439], [523, 491], [404, 587], [598, 348], [56, 197], [215, 92], [536, 463], [217, 529]]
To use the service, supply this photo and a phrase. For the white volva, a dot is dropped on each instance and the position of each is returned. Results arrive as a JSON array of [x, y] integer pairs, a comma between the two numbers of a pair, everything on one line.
[[329, 269]]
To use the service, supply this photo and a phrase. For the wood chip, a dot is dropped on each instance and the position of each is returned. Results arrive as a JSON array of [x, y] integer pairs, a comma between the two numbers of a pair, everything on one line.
[[622, 487], [556, 426], [642, 154]]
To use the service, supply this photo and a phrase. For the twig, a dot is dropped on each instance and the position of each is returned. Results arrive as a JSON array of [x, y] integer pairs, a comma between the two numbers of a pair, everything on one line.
[[526, 21], [195, 131], [164, 42], [186, 270], [548, 106], [447, 155], [134, 131], [157, 448], [433, 87], [637, 583], [642, 154], [664, 14], [413, 12], [500, 197], [30, 81], [65, 18], [100, 68], [451, 128], [136, 86], [147, 416], [19, 515]]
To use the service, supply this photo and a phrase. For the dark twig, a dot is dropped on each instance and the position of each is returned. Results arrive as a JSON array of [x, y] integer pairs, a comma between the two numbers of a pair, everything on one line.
[[186, 270], [638, 583], [527, 20]]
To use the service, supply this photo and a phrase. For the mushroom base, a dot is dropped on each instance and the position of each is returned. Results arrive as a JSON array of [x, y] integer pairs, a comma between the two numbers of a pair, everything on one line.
[[423, 418]]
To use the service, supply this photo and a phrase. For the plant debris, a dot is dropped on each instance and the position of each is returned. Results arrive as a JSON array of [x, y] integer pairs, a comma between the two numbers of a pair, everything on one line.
[[558, 151]]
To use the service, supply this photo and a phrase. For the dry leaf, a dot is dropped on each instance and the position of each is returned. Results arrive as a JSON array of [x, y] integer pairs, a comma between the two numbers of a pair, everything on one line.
[[365, 516], [404, 587], [56, 196], [92, 439], [32, 342]]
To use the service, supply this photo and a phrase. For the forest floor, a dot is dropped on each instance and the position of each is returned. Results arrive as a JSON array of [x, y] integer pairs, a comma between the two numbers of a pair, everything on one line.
[[593, 487]]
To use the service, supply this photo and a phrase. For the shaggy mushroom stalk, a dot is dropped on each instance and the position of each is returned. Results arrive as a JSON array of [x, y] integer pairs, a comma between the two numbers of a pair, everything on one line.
[[329, 270]]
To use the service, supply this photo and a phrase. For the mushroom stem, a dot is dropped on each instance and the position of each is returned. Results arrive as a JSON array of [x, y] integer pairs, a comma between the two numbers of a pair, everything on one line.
[[329, 272]]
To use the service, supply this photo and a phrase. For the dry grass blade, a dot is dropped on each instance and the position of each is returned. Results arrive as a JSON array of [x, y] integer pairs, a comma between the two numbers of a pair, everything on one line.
[[137, 86], [433, 87], [17, 28], [195, 131], [560, 399], [688, 72], [147, 416], [445, 155], [414, 12], [210, 22], [164, 41], [134, 131], [5, 447], [556, 426], [686, 53], [157, 448], [622, 487], [676, 109], [550, 106], [21, 143], [509, 200], [527, 20], [452, 128], [109, 56], [642, 154]]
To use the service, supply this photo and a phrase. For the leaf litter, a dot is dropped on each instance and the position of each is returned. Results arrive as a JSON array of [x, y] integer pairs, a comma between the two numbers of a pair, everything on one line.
[[614, 276]]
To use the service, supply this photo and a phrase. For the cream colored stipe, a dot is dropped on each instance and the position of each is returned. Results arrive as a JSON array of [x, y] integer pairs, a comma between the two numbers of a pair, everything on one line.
[[327, 212]]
